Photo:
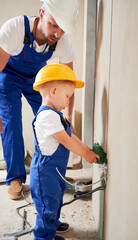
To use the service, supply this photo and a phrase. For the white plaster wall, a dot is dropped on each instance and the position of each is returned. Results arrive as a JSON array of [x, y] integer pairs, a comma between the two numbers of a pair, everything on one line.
[[116, 116], [9, 9], [122, 192], [101, 99]]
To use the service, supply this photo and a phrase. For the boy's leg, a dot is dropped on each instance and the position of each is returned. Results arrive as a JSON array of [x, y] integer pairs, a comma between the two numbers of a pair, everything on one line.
[[45, 196], [61, 227]]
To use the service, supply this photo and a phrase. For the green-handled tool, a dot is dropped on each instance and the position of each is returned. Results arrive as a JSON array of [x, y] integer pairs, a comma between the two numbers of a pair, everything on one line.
[[98, 150]]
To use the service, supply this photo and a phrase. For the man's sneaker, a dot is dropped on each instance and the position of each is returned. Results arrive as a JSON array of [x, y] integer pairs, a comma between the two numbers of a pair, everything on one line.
[[64, 227], [57, 237], [15, 189]]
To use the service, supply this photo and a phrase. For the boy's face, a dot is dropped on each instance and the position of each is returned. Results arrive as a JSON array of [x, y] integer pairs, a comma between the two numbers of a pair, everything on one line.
[[63, 92]]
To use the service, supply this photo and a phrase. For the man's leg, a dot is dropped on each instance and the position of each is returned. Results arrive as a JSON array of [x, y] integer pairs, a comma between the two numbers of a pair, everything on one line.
[[12, 139]]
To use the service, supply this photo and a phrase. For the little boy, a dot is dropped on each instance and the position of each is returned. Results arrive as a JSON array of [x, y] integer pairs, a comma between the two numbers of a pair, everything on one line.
[[53, 142]]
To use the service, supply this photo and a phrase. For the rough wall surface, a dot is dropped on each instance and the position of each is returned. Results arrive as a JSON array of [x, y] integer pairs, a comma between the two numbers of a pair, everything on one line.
[[116, 114]]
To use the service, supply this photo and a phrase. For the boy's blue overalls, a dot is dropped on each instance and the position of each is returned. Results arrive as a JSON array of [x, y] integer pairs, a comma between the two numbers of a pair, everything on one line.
[[47, 187], [16, 79]]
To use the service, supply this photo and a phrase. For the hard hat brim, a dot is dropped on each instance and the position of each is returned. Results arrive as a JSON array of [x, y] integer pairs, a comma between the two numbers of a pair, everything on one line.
[[77, 83]]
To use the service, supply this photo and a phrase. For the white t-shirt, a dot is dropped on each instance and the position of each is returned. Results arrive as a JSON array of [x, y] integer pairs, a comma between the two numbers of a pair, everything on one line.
[[12, 35], [47, 123]]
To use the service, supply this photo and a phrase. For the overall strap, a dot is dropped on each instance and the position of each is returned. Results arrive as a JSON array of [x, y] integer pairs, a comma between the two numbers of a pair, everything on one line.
[[48, 108], [63, 120], [28, 38], [52, 47]]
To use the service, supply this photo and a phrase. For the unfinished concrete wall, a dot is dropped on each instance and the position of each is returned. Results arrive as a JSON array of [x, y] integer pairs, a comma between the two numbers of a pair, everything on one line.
[[116, 116]]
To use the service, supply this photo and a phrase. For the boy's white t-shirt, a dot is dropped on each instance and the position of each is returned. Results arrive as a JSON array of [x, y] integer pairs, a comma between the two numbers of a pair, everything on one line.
[[12, 35], [47, 123]]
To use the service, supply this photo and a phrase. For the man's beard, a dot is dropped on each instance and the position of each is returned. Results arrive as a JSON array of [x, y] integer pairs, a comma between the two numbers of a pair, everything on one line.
[[46, 39]]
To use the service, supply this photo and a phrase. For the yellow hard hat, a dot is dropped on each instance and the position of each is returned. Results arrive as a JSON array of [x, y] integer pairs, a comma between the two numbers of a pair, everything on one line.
[[54, 72]]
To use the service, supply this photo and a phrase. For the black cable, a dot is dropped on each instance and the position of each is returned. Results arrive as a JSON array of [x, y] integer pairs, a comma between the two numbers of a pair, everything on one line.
[[79, 195], [24, 219], [26, 205]]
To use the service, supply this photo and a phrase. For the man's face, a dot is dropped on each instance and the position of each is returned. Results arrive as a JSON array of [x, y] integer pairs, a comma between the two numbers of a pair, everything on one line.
[[51, 32]]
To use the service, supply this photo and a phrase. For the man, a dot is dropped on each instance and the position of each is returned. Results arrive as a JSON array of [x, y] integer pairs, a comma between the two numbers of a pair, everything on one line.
[[26, 43]]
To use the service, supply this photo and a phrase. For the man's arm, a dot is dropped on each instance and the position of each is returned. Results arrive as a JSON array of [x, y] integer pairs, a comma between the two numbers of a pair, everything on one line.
[[4, 58], [1, 128], [69, 108], [69, 65]]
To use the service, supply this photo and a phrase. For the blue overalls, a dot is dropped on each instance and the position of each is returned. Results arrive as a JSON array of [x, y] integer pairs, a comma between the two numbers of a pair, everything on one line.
[[16, 79], [46, 185]]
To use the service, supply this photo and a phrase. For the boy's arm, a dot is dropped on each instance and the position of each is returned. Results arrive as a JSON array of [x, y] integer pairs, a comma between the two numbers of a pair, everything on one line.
[[76, 146], [79, 141]]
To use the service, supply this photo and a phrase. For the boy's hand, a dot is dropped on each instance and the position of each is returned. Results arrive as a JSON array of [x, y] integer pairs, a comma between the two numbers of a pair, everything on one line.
[[92, 157], [1, 129]]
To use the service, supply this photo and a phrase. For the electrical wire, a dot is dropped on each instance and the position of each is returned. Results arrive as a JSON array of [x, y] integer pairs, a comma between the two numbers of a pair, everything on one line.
[[75, 183], [77, 195], [80, 195], [23, 206], [64, 178]]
